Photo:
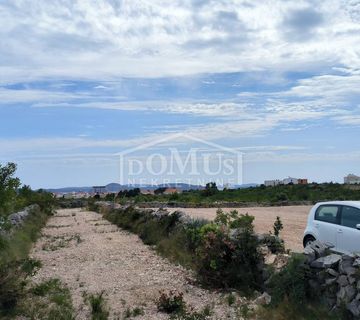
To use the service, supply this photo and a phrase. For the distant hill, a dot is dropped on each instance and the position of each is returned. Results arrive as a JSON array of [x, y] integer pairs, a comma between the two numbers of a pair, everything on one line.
[[70, 189], [116, 187], [246, 185]]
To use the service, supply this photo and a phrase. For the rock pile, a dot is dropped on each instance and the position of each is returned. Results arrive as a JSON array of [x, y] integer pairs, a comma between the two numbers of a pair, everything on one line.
[[336, 277], [17, 218]]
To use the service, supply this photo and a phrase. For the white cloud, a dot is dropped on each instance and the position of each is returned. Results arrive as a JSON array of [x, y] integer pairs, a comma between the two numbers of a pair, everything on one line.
[[108, 39], [296, 157]]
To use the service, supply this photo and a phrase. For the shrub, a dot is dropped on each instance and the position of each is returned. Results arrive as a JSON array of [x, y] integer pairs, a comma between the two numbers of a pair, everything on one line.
[[98, 307], [194, 234], [134, 312], [13, 277], [228, 255], [224, 253], [48, 300], [204, 314], [291, 283], [274, 243], [278, 226], [172, 302]]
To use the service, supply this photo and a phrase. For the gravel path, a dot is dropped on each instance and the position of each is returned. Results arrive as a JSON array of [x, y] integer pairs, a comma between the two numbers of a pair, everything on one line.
[[294, 219], [90, 255]]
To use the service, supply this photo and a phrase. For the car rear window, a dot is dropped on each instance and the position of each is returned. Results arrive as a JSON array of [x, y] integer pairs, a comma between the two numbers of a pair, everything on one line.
[[350, 217], [327, 214]]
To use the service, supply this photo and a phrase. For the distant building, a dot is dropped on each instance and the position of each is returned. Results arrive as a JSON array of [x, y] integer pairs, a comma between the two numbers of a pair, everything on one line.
[[352, 179], [303, 181], [147, 191], [272, 183], [289, 180], [171, 191], [99, 189]]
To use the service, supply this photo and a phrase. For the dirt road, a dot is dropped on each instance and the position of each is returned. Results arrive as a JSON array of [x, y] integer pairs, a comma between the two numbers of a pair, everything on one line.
[[90, 255], [293, 217]]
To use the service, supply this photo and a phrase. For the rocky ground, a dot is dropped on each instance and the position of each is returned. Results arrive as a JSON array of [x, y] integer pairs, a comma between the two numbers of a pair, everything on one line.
[[90, 255]]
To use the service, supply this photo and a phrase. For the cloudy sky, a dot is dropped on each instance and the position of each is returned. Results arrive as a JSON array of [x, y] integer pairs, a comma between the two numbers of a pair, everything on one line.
[[82, 80]]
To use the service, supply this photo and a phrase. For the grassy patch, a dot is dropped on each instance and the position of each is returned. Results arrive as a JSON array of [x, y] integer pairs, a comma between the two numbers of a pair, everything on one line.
[[98, 308], [286, 310], [133, 313], [15, 268], [21, 239], [58, 242], [48, 300]]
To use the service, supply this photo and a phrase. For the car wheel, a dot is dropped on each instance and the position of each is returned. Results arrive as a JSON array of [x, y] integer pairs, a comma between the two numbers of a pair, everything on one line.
[[308, 240]]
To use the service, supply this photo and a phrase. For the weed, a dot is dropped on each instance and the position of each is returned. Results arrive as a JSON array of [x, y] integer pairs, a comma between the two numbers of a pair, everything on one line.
[[231, 299], [48, 300], [53, 226], [137, 311], [204, 314], [98, 306], [245, 312], [278, 226], [172, 302], [59, 242]]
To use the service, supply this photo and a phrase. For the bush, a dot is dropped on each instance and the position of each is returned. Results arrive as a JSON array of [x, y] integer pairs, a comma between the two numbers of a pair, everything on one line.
[[13, 277], [274, 243], [134, 312], [48, 300], [98, 307], [291, 283], [228, 255], [224, 253], [172, 302], [278, 226]]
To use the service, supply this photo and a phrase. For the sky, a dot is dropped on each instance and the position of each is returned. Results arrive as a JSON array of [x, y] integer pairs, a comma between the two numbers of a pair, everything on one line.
[[83, 80]]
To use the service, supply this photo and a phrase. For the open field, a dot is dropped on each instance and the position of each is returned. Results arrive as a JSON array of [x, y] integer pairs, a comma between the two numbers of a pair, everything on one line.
[[293, 218]]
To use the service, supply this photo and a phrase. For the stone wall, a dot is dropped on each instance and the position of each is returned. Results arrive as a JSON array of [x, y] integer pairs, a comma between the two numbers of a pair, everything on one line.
[[336, 277], [18, 218]]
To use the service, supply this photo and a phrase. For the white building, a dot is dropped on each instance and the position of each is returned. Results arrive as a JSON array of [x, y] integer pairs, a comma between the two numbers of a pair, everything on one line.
[[352, 179], [272, 183], [290, 180]]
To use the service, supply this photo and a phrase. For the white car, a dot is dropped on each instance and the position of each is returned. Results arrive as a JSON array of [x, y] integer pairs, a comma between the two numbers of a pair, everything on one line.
[[336, 223]]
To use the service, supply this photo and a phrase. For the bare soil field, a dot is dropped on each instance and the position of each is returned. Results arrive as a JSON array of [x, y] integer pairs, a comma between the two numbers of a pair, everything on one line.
[[90, 255], [293, 217]]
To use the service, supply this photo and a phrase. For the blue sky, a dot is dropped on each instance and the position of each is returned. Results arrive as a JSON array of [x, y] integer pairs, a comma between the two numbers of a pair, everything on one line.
[[277, 80]]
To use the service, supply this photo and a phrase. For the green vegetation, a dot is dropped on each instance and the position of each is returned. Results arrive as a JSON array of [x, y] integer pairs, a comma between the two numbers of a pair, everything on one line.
[[292, 295], [173, 303], [98, 306], [16, 241], [278, 226], [48, 300], [284, 194], [228, 254], [8, 186], [133, 313], [224, 253]]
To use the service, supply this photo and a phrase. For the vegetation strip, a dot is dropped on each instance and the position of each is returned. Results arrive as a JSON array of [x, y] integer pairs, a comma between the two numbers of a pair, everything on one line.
[[226, 254], [18, 231]]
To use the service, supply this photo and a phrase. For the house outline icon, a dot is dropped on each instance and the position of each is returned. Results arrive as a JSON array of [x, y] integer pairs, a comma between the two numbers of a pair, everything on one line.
[[176, 136]]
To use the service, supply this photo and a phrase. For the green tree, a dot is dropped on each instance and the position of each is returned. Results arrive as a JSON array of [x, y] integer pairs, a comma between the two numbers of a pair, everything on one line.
[[8, 186], [210, 189], [278, 226]]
